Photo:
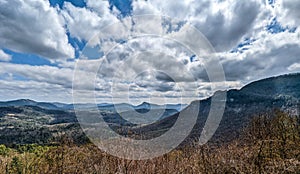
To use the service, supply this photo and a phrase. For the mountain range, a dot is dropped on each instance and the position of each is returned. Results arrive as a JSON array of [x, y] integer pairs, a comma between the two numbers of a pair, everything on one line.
[[101, 106], [27, 121]]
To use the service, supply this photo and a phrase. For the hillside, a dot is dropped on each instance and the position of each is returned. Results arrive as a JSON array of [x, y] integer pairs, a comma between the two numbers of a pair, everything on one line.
[[258, 97]]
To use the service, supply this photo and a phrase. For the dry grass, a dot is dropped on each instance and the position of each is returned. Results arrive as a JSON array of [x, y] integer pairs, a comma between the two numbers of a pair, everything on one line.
[[269, 145]]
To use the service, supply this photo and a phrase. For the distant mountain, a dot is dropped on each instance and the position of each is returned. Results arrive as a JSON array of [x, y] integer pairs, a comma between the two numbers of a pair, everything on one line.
[[122, 107], [27, 102], [27, 121], [149, 106]]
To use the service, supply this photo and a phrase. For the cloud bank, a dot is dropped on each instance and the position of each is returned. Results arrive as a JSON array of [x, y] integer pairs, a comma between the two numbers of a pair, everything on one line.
[[253, 40]]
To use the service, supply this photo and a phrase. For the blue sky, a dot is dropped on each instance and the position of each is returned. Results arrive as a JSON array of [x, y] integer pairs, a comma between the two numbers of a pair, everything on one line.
[[77, 3], [41, 42]]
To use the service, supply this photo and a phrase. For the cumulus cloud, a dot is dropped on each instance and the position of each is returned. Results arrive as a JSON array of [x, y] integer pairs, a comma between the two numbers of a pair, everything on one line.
[[40, 91], [224, 23], [85, 23], [4, 57], [32, 26], [270, 55], [48, 74]]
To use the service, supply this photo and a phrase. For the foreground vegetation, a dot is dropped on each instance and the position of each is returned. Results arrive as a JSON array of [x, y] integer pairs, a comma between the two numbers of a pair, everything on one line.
[[270, 144]]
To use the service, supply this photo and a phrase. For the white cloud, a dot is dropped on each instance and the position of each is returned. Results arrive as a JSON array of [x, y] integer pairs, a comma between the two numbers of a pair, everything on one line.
[[224, 23], [294, 67], [39, 91], [84, 23], [269, 55], [227, 23], [47, 74], [4, 57], [51, 75], [32, 26]]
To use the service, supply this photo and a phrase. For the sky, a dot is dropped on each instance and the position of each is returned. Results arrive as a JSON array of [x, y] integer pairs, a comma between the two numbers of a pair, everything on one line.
[[44, 44]]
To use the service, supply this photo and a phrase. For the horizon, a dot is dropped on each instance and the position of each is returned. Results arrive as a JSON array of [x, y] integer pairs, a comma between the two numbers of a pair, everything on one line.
[[136, 104], [53, 102]]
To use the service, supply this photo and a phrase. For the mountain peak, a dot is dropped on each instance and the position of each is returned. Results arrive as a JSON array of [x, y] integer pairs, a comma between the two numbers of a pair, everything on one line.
[[24, 100], [145, 103]]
